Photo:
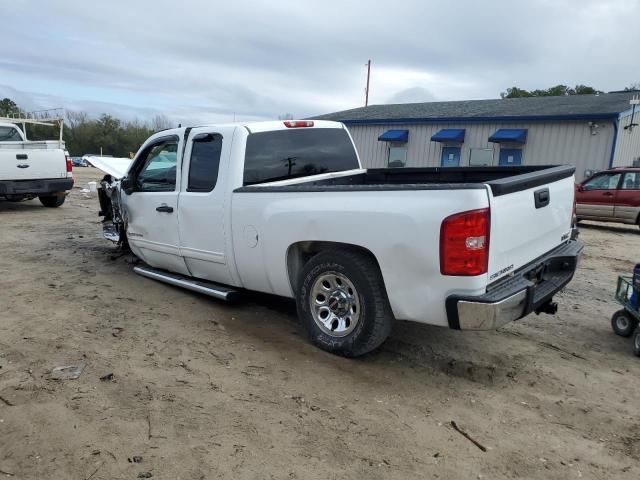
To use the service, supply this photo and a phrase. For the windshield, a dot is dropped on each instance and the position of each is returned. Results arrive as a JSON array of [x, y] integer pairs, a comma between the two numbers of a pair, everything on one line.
[[10, 134], [284, 154]]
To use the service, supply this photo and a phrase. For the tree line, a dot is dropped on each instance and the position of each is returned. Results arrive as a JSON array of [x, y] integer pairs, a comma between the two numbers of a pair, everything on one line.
[[558, 90], [85, 135]]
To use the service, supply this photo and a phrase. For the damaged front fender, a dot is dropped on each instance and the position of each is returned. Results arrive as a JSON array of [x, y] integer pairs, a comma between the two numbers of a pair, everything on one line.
[[114, 221]]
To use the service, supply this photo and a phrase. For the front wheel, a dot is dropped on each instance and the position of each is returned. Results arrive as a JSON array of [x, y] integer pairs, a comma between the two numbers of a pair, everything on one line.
[[342, 303], [623, 323], [636, 343], [52, 201]]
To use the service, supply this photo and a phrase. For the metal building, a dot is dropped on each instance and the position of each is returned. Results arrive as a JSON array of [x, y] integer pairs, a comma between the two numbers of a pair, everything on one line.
[[592, 132]]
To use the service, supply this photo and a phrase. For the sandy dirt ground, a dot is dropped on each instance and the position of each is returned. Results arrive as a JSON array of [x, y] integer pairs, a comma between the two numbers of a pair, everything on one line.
[[202, 389]]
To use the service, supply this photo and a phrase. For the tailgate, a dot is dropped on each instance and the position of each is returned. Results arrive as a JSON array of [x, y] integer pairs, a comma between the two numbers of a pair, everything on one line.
[[529, 217], [25, 164]]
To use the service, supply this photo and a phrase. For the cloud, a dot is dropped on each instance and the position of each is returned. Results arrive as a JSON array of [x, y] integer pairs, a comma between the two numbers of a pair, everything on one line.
[[211, 61], [412, 95]]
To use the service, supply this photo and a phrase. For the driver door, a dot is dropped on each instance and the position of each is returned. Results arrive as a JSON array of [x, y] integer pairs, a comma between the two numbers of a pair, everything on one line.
[[152, 207]]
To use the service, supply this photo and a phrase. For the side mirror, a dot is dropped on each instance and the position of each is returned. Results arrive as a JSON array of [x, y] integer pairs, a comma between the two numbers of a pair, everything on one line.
[[581, 188], [126, 184]]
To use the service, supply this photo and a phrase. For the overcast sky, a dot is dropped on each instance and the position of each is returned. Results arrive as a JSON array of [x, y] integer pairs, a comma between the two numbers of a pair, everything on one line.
[[208, 61]]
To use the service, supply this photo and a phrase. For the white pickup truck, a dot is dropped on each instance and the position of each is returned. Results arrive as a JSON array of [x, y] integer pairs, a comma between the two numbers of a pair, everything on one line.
[[285, 208], [33, 169]]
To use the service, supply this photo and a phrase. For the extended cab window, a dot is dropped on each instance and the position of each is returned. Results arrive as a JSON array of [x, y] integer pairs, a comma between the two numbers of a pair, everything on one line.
[[606, 181], [9, 134], [204, 163], [158, 173], [291, 153]]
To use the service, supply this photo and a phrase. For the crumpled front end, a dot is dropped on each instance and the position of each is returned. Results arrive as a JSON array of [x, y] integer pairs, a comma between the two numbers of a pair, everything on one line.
[[113, 223]]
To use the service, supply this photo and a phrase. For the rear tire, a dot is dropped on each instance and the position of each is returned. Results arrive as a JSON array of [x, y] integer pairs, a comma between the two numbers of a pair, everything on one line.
[[623, 323], [52, 201], [343, 304], [636, 343]]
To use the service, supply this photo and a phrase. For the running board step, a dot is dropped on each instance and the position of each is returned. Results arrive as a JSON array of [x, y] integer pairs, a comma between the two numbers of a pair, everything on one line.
[[211, 289]]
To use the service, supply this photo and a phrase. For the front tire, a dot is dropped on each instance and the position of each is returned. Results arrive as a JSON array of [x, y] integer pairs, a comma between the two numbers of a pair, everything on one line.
[[623, 323], [52, 201], [343, 304]]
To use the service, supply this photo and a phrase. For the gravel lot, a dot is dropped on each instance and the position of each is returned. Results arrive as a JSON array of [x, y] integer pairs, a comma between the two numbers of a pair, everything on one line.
[[202, 389]]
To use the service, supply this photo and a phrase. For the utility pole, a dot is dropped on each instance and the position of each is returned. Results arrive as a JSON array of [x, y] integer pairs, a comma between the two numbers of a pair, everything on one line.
[[366, 90]]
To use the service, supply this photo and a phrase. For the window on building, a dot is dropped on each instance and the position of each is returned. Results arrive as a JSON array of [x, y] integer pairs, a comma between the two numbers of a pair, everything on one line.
[[204, 163], [480, 157], [604, 181], [397, 157], [450, 156], [510, 157]]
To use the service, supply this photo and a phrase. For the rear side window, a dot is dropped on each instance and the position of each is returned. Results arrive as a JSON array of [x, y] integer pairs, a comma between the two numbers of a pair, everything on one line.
[[284, 154], [631, 181], [9, 134], [204, 163]]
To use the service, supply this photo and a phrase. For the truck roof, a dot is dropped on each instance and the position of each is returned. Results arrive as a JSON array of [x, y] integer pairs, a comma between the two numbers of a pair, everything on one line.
[[266, 126], [626, 169]]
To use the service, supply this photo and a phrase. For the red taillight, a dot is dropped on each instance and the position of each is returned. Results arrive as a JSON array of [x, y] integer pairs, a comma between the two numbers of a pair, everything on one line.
[[298, 123], [69, 164], [464, 243]]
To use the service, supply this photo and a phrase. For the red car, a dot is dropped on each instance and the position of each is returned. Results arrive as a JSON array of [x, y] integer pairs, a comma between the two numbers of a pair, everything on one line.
[[610, 196]]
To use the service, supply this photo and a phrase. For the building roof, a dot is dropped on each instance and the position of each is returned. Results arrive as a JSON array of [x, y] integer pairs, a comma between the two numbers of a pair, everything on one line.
[[576, 107]]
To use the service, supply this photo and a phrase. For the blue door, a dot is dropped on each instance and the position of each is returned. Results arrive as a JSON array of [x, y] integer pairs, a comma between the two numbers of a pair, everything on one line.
[[450, 157], [510, 156]]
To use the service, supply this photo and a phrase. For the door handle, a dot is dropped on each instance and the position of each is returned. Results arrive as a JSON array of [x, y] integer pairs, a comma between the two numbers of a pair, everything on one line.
[[607, 194], [22, 165], [164, 208], [541, 197]]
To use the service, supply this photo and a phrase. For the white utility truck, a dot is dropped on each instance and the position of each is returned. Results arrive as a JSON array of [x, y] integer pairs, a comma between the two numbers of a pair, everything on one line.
[[286, 208], [30, 169]]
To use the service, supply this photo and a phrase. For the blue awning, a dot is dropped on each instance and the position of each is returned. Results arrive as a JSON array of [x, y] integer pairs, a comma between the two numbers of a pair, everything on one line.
[[394, 136], [453, 135], [509, 135]]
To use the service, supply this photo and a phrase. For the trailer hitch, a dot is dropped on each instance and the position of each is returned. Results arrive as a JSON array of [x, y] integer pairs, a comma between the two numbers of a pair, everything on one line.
[[549, 307]]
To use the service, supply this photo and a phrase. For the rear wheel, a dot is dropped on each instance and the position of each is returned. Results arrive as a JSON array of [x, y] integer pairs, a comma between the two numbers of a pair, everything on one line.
[[342, 303], [623, 323], [52, 201]]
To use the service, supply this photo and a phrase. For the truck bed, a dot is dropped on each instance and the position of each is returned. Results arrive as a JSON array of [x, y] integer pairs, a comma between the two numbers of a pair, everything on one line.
[[501, 180]]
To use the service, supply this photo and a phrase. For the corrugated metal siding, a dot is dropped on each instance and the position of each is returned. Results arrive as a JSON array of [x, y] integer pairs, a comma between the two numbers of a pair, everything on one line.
[[547, 143], [628, 142]]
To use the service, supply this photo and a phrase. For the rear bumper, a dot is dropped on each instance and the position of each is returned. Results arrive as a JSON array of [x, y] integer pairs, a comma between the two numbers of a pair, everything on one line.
[[35, 187], [515, 296]]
